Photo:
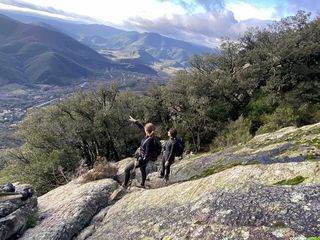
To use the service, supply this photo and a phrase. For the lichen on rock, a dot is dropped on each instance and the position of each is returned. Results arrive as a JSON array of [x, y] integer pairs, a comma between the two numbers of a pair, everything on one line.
[[268, 188], [66, 210]]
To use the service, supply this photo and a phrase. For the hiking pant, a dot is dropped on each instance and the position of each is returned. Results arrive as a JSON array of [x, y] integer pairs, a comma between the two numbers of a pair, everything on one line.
[[165, 170], [142, 165]]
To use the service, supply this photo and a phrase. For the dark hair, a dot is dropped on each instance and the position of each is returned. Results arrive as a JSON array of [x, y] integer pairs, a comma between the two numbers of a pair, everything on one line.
[[173, 132]]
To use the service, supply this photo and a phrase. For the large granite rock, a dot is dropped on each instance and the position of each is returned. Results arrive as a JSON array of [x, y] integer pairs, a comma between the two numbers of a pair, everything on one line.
[[16, 215], [244, 202], [66, 210], [284, 146], [268, 188], [121, 165]]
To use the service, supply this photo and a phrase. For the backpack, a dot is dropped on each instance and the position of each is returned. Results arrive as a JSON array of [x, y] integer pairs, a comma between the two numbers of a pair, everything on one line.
[[157, 148], [179, 147]]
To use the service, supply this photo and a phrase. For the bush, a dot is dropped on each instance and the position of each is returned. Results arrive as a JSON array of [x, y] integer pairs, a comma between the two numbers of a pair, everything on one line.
[[262, 103], [44, 171], [82, 127], [283, 116], [308, 114], [236, 132]]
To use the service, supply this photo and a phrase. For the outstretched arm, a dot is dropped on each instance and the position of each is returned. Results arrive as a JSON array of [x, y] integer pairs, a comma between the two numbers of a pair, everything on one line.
[[131, 119], [136, 122]]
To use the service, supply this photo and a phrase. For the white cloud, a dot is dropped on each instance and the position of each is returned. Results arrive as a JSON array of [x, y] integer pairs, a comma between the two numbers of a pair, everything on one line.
[[203, 28], [200, 21], [112, 11], [244, 11], [14, 8]]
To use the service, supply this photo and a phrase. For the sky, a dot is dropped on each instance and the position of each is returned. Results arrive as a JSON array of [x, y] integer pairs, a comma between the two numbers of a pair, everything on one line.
[[204, 22]]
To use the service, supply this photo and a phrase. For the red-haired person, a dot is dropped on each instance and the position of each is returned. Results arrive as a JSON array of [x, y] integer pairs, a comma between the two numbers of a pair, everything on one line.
[[146, 149]]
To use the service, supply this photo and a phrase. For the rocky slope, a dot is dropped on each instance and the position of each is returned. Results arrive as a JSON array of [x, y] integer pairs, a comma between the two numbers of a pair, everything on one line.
[[239, 203], [284, 146], [64, 211], [268, 188]]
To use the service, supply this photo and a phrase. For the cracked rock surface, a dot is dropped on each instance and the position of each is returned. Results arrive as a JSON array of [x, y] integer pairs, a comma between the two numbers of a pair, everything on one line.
[[66, 210], [15, 215], [268, 188], [239, 203]]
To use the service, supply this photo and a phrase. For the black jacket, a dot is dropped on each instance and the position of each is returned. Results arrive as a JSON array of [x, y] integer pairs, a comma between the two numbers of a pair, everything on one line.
[[169, 150], [146, 145]]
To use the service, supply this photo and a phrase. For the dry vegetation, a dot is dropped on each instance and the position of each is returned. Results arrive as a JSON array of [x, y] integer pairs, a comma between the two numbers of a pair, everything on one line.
[[101, 169]]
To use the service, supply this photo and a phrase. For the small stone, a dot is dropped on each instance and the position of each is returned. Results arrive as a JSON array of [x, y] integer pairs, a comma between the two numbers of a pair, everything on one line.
[[297, 197]]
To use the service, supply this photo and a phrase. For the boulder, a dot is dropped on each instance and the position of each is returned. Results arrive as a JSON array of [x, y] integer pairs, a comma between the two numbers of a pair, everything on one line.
[[152, 167], [121, 165], [268, 188], [284, 146], [66, 210], [16, 214], [244, 202]]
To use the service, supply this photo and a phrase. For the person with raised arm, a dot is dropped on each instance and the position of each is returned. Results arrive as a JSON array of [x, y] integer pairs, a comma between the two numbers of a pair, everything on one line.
[[147, 147]]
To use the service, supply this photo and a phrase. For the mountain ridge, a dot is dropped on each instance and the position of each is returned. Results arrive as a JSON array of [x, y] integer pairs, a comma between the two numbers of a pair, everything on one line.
[[166, 50], [34, 54]]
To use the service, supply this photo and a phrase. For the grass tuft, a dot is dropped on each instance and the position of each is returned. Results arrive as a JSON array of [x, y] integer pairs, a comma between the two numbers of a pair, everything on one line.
[[293, 181], [214, 170]]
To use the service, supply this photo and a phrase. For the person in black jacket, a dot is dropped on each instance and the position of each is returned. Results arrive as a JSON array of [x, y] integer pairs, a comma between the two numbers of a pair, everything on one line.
[[169, 154], [146, 149]]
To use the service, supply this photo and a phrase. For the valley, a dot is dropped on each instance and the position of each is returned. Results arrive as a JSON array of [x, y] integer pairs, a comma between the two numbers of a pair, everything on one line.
[[16, 100], [43, 60]]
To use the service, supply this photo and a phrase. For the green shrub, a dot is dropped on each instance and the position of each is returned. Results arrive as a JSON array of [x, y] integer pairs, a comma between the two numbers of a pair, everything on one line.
[[82, 127], [32, 221], [263, 102], [283, 116], [216, 169], [308, 114], [44, 171], [236, 132]]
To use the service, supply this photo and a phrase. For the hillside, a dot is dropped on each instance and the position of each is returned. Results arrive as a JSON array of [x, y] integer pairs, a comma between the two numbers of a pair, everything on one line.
[[35, 54], [266, 189], [162, 48], [130, 46]]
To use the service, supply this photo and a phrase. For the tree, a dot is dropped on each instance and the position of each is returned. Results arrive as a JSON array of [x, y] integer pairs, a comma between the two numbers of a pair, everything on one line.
[[85, 126]]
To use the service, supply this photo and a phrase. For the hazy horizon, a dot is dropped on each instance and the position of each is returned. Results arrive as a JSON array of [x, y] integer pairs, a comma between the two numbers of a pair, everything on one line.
[[200, 21]]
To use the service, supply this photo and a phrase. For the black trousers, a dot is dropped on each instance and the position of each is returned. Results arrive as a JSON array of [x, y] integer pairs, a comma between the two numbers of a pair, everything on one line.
[[165, 170], [142, 165]]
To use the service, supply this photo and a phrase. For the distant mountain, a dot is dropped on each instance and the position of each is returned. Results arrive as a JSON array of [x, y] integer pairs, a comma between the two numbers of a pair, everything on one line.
[[140, 56], [148, 45], [37, 54], [140, 47]]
